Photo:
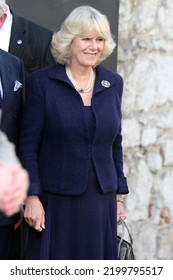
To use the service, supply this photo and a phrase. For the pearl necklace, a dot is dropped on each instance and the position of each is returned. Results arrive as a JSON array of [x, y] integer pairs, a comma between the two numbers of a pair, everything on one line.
[[76, 86]]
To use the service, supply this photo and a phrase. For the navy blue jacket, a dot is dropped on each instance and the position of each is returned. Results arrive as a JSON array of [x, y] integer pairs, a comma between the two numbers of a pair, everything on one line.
[[55, 145]]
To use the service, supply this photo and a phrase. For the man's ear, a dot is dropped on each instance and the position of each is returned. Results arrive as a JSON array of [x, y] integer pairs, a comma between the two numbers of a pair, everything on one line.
[[2, 19]]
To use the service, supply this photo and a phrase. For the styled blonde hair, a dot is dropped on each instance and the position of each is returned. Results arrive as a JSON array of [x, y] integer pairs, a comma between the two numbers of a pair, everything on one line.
[[81, 20], [3, 7]]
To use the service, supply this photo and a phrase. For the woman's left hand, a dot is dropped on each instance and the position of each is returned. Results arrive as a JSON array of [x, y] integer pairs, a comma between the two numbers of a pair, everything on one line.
[[34, 213]]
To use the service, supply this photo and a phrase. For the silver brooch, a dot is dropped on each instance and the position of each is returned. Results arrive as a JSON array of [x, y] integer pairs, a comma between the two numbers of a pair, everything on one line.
[[19, 42], [105, 83]]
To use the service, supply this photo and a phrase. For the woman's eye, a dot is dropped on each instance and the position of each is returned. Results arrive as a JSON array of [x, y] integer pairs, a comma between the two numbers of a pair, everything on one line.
[[89, 39], [86, 39]]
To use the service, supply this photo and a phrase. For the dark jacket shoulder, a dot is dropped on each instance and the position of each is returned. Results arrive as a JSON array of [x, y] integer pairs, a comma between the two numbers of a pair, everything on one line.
[[32, 43], [24, 22], [9, 57]]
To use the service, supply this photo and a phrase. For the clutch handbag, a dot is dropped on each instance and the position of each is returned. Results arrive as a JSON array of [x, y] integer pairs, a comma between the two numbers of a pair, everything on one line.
[[125, 249]]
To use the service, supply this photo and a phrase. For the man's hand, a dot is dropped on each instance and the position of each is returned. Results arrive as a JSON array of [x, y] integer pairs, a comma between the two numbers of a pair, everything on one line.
[[14, 182]]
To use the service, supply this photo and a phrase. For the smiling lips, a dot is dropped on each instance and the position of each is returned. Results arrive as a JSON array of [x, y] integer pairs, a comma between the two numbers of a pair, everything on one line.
[[90, 53]]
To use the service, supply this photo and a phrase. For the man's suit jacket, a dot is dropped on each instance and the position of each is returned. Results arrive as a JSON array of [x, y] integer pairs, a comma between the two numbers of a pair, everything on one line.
[[12, 79], [31, 43], [55, 144]]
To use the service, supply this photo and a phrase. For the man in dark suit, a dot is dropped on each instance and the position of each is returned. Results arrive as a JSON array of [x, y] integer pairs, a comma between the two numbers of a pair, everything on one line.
[[25, 39], [11, 101]]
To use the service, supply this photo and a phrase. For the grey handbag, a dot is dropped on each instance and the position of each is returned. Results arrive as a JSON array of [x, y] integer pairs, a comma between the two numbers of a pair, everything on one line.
[[125, 249]]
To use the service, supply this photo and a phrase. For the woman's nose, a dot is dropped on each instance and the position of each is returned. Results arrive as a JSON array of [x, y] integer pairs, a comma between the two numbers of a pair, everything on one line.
[[94, 44]]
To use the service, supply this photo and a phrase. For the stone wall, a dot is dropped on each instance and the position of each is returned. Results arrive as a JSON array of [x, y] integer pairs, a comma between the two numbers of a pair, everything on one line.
[[145, 61]]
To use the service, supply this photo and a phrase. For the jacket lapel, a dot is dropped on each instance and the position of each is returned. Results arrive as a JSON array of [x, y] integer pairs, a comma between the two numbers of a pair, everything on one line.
[[104, 80], [19, 36]]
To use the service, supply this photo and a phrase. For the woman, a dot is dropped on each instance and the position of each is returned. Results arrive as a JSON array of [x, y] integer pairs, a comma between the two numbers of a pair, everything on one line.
[[71, 144]]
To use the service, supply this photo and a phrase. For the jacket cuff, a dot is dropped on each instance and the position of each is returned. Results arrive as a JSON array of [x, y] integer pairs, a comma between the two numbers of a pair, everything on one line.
[[122, 186], [35, 189]]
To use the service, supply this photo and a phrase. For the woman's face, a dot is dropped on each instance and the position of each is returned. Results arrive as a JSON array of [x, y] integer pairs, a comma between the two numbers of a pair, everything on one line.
[[87, 49]]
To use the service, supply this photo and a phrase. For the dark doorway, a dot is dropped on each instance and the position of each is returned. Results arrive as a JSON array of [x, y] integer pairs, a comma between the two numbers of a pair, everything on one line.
[[51, 13]]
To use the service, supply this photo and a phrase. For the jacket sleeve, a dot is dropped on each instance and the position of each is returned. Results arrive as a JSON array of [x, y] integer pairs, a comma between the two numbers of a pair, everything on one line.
[[31, 133], [117, 146]]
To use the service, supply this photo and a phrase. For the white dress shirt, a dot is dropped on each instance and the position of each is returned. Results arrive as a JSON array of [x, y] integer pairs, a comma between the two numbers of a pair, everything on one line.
[[5, 31]]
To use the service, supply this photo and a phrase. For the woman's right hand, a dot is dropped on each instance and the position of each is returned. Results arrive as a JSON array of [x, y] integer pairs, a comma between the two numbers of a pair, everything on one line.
[[34, 213]]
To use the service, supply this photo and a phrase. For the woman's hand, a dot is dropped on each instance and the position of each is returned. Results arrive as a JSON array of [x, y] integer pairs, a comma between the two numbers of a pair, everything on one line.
[[120, 209], [34, 213]]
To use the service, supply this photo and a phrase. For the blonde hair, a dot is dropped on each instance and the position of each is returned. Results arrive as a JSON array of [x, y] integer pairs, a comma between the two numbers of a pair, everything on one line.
[[81, 20], [3, 7]]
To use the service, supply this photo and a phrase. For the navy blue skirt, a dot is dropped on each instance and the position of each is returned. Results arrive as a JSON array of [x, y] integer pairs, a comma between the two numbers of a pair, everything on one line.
[[81, 227]]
